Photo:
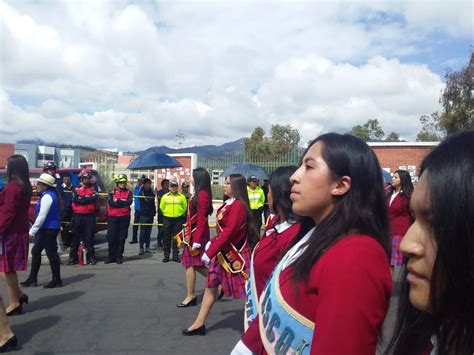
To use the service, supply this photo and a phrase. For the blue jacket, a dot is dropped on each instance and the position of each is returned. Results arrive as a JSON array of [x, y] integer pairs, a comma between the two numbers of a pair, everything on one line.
[[53, 219], [136, 200]]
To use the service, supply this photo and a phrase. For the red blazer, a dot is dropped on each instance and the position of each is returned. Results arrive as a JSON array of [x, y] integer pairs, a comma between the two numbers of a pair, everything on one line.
[[14, 206], [269, 251], [346, 295], [201, 234], [231, 227], [399, 214]]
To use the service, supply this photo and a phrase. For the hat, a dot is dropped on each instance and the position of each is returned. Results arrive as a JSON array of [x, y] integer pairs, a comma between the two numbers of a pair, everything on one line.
[[174, 184], [185, 184], [142, 177], [253, 178], [47, 180]]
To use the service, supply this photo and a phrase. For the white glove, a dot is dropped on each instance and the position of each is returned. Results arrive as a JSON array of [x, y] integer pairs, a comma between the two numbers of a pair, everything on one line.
[[208, 244], [205, 259], [196, 245]]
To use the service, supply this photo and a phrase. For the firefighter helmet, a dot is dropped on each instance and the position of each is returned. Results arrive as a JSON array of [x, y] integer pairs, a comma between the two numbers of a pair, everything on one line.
[[121, 178], [85, 173], [50, 165]]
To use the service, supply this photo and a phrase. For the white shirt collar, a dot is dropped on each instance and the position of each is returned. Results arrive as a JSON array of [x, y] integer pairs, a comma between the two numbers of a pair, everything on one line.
[[230, 201]]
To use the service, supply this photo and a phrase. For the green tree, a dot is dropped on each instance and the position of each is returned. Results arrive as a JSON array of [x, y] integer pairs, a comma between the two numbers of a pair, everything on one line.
[[283, 139], [430, 128], [256, 138], [370, 131], [392, 137], [457, 100]]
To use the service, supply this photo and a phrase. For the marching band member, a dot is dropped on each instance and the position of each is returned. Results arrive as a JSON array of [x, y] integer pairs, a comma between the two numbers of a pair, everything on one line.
[[330, 292], [196, 234], [228, 255], [118, 220]]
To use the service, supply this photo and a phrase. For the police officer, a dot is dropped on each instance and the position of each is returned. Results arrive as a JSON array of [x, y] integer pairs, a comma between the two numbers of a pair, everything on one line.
[[173, 205], [118, 221], [256, 199], [84, 198], [165, 184], [185, 190]]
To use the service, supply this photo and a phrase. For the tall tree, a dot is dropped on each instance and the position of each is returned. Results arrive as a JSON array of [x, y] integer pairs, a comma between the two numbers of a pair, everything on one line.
[[392, 137], [283, 138], [256, 138], [430, 128]]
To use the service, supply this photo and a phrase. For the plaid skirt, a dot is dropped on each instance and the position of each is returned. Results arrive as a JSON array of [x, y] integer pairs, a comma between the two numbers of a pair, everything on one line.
[[397, 256], [233, 285], [14, 256], [188, 260]]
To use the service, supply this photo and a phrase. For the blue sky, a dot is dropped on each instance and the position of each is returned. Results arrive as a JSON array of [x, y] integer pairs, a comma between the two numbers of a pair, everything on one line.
[[129, 75]]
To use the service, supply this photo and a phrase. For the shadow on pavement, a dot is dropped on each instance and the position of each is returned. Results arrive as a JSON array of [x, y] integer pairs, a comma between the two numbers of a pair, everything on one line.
[[25, 331], [76, 278], [48, 302], [235, 322]]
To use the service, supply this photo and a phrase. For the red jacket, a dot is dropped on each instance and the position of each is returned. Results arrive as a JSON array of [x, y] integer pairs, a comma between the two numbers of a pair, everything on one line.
[[201, 233], [399, 214], [346, 295], [14, 206], [84, 199], [120, 207], [231, 227]]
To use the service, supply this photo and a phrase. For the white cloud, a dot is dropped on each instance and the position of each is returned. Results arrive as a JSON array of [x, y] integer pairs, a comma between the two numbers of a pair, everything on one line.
[[110, 73]]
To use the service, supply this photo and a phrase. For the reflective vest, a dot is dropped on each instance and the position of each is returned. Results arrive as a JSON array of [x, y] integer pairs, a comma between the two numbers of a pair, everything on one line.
[[84, 191], [173, 205], [53, 219], [256, 198], [120, 194]]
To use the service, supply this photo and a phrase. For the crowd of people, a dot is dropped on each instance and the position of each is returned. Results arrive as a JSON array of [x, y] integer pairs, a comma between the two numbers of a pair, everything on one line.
[[318, 279]]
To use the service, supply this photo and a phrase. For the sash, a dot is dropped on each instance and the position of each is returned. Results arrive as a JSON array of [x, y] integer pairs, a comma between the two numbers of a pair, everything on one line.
[[185, 235], [232, 260], [282, 329], [251, 303]]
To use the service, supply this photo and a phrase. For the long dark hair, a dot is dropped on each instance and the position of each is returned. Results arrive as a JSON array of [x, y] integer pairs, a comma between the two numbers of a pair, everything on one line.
[[17, 169], [450, 318], [202, 181], [362, 209], [281, 189], [238, 185], [405, 182]]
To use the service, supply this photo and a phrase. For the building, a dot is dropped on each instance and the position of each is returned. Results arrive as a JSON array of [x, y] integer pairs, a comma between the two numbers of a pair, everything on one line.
[[6, 150]]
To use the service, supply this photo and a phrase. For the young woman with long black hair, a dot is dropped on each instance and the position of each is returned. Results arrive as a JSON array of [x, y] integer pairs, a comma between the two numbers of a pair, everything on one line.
[[436, 309], [235, 230], [398, 202], [197, 233], [330, 292]]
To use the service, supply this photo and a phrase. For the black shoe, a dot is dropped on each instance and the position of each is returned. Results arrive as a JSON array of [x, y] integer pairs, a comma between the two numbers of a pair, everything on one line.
[[109, 261], [72, 262], [198, 331], [15, 311], [221, 294], [119, 260], [193, 302], [30, 281], [133, 241], [166, 259], [55, 282], [92, 261], [23, 299], [12, 342]]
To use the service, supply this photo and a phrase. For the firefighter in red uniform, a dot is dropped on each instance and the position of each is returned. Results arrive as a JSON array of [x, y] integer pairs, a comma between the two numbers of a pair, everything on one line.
[[84, 198], [120, 199]]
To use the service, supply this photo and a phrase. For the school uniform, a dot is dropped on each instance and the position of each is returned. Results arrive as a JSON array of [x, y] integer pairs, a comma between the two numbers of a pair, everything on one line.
[[400, 220], [338, 309], [118, 221], [197, 226], [265, 256], [231, 228]]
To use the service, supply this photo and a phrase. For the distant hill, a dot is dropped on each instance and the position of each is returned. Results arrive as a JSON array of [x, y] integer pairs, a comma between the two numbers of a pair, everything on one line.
[[209, 151]]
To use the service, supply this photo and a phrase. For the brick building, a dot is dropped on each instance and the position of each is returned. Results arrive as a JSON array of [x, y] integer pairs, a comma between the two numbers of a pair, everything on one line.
[[6, 149], [402, 155]]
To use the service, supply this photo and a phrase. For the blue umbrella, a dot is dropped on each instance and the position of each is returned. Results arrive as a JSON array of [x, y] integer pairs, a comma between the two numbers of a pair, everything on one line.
[[387, 177], [247, 170], [151, 159]]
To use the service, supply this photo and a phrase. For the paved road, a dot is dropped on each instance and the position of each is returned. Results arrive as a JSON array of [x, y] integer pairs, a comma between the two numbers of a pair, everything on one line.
[[120, 309]]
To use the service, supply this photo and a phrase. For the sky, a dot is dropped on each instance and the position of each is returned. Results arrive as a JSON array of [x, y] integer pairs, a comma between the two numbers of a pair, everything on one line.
[[131, 74]]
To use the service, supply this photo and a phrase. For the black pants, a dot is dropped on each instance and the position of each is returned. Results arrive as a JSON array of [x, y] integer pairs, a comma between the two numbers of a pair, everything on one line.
[[83, 226], [145, 231], [45, 239], [161, 230], [67, 228], [171, 227], [117, 231], [136, 220], [257, 216]]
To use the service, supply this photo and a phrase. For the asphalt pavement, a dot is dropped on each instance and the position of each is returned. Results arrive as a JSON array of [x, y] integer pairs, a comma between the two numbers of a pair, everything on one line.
[[120, 309]]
